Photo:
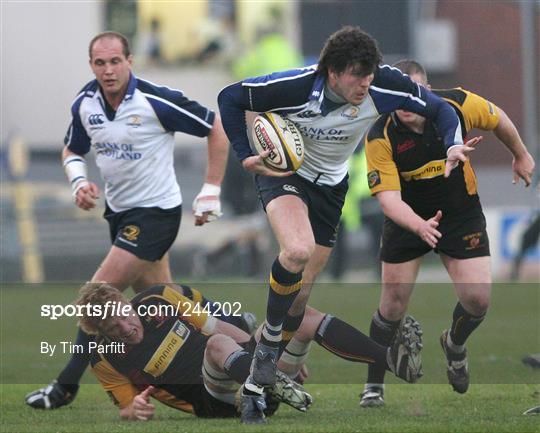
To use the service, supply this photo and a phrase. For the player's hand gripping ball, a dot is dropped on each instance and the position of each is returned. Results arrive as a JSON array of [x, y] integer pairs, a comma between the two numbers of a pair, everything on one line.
[[282, 138]]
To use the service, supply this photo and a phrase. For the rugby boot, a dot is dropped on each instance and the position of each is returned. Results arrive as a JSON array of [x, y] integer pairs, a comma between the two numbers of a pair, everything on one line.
[[457, 366], [252, 404], [263, 367], [289, 392], [51, 397], [372, 396], [403, 357]]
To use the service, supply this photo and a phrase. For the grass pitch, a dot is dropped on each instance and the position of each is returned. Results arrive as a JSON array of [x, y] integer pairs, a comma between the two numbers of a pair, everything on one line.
[[502, 387]]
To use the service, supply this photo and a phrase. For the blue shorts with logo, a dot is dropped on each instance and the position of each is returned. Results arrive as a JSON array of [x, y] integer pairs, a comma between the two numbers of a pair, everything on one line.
[[147, 232], [324, 202]]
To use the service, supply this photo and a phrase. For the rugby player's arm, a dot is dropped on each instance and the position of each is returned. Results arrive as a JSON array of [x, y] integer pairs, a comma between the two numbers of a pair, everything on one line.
[[289, 89], [121, 391], [391, 90], [85, 193], [218, 150], [384, 183], [480, 113], [523, 162]]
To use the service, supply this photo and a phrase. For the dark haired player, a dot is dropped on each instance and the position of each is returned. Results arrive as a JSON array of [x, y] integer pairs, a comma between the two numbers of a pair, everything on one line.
[[333, 104]]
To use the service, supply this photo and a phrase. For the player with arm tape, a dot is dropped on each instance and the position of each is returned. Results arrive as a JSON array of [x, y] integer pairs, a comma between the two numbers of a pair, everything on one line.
[[130, 123], [426, 210], [332, 104]]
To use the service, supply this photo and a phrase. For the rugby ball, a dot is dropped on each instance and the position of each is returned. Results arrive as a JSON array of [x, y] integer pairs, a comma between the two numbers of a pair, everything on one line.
[[278, 134]]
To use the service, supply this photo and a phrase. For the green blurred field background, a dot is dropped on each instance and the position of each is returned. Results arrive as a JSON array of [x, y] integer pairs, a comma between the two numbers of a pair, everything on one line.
[[502, 386]]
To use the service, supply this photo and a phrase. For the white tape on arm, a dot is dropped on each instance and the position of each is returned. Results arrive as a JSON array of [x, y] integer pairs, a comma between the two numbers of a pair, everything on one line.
[[209, 189], [76, 172]]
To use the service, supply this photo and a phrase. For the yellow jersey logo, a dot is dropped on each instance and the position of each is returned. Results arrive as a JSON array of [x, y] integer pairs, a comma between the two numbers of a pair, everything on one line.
[[427, 171]]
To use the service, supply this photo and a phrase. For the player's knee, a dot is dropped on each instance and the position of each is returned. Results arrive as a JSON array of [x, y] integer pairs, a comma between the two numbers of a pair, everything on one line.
[[215, 344], [298, 255], [478, 304], [394, 304]]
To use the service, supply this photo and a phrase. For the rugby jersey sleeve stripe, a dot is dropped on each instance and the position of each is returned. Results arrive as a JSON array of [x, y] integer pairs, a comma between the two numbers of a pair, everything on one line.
[[285, 91], [175, 111], [391, 90]]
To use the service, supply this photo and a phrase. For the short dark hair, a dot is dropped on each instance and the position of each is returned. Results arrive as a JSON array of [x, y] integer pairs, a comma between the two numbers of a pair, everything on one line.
[[350, 47], [410, 67], [126, 50]]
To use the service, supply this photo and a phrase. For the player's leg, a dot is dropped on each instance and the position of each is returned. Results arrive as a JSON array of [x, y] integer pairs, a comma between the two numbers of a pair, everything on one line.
[[226, 365], [295, 315], [401, 253], [141, 238], [158, 272], [288, 216], [398, 281], [326, 203], [349, 343], [472, 282]]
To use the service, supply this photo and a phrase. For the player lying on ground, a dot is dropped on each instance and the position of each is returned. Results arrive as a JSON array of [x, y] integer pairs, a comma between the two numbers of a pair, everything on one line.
[[169, 352], [57, 394], [426, 210]]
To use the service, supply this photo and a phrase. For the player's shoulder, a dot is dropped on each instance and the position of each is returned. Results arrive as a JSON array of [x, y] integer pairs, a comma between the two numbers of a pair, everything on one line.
[[378, 129], [87, 91], [149, 88], [388, 77], [297, 76], [456, 95], [150, 293]]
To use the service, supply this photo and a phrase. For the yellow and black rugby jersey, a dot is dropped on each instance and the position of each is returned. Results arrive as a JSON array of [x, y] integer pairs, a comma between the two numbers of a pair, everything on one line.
[[402, 160], [169, 357]]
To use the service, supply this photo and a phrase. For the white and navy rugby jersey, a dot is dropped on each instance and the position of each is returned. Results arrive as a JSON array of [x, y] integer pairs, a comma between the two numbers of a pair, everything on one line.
[[134, 145], [331, 131]]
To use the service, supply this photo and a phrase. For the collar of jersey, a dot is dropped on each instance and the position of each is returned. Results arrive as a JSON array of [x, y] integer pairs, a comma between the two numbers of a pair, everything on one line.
[[131, 87]]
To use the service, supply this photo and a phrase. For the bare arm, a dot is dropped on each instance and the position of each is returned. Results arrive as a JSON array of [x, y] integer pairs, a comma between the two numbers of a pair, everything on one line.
[[218, 150], [523, 162], [206, 206], [402, 214]]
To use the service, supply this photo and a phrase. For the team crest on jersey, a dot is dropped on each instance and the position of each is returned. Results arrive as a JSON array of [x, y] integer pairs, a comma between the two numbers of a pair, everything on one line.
[[473, 240], [350, 113], [134, 121], [374, 178], [131, 233]]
